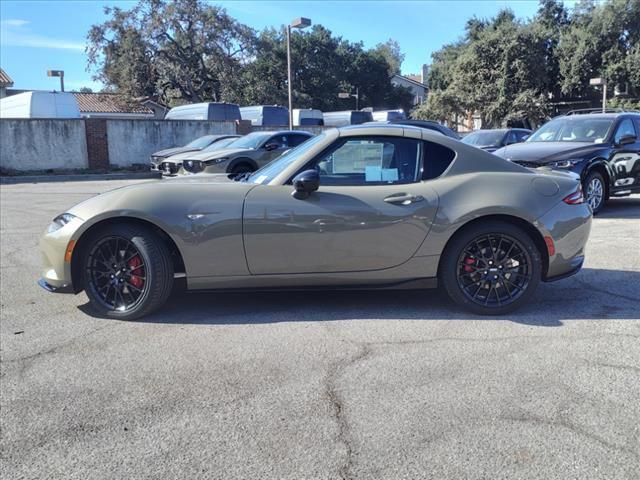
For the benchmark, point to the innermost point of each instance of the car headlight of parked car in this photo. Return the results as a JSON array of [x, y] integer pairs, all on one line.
[[60, 221], [215, 161], [564, 163], [193, 166]]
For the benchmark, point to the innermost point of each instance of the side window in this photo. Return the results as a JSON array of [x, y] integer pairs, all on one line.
[[371, 161], [436, 160], [625, 128], [512, 137], [295, 140], [637, 122], [280, 140]]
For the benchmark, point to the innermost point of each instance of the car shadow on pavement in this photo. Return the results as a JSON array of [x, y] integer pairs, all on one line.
[[623, 208], [592, 294]]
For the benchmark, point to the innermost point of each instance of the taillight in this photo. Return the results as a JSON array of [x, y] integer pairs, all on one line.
[[574, 198]]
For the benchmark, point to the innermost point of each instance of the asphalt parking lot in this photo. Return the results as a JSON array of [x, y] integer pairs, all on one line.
[[320, 385]]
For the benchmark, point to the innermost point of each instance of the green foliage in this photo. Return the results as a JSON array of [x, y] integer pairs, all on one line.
[[506, 69], [190, 51], [185, 51]]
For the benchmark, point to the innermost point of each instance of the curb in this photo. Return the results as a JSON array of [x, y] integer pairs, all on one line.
[[84, 177]]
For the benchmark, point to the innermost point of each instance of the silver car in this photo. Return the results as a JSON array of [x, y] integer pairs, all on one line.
[[247, 153], [377, 206]]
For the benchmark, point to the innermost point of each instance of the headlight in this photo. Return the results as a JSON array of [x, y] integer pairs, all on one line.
[[215, 161], [564, 163], [60, 221]]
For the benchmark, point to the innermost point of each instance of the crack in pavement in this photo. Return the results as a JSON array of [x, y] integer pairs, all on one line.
[[337, 404]]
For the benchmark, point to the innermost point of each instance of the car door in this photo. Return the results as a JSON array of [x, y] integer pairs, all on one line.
[[624, 160], [372, 211]]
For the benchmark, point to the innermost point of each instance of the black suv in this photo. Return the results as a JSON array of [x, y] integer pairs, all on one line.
[[603, 148]]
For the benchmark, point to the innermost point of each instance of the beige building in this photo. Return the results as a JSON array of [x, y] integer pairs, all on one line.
[[5, 82], [416, 83]]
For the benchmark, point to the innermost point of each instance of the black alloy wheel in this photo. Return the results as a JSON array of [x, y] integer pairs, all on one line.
[[491, 268], [128, 272]]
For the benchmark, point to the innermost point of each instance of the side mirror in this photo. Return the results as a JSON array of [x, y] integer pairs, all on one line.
[[627, 139], [305, 183], [271, 146], [524, 139]]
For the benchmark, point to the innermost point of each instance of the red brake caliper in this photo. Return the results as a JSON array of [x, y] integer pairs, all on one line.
[[468, 264], [136, 273]]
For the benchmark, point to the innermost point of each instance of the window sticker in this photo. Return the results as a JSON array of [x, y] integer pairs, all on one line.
[[389, 174], [373, 174], [355, 157]]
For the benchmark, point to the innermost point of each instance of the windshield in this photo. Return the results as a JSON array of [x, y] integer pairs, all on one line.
[[220, 144], [484, 139], [271, 170], [200, 142], [573, 129], [253, 140]]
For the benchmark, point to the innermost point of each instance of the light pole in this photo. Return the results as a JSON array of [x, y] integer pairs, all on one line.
[[603, 82], [57, 73], [297, 23]]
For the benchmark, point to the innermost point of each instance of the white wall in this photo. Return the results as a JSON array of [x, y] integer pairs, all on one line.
[[31, 144], [133, 141]]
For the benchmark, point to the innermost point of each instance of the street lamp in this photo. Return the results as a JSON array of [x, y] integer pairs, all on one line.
[[299, 23], [57, 73], [603, 82]]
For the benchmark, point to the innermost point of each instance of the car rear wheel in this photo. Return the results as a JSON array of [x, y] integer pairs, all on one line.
[[595, 191], [491, 268], [128, 272]]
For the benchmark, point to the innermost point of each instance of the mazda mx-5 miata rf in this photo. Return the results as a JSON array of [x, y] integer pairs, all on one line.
[[364, 206]]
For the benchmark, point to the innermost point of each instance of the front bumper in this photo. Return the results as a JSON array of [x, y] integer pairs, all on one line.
[[56, 272], [64, 288], [568, 226]]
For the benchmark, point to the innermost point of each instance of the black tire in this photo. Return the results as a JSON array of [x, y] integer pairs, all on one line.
[[462, 270], [142, 284], [241, 168], [594, 191]]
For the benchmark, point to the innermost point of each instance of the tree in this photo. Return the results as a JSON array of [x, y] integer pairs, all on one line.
[[390, 51], [602, 41], [322, 66], [181, 51], [495, 71]]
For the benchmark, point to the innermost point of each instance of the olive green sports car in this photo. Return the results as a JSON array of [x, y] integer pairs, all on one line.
[[380, 206]]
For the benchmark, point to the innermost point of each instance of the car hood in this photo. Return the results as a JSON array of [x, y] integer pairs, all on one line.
[[169, 197], [225, 152], [545, 152], [167, 152]]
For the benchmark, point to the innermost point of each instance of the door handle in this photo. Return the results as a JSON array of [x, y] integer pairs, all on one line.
[[403, 199]]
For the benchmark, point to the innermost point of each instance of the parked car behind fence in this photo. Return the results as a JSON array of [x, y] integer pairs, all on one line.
[[266, 115], [216, 111], [347, 117]]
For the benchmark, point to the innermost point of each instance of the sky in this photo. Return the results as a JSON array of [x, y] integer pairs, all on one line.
[[36, 36]]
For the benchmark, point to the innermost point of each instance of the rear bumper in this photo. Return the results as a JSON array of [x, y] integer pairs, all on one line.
[[568, 226]]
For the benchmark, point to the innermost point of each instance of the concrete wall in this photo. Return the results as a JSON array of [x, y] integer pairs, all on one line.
[[32, 144], [42, 144], [133, 141]]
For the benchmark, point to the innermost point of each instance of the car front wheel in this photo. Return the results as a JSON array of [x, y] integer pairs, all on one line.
[[127, 273], [491, 268], [595, 191]]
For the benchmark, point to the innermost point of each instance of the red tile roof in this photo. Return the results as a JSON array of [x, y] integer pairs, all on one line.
[[108, 103], [5, 80]]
